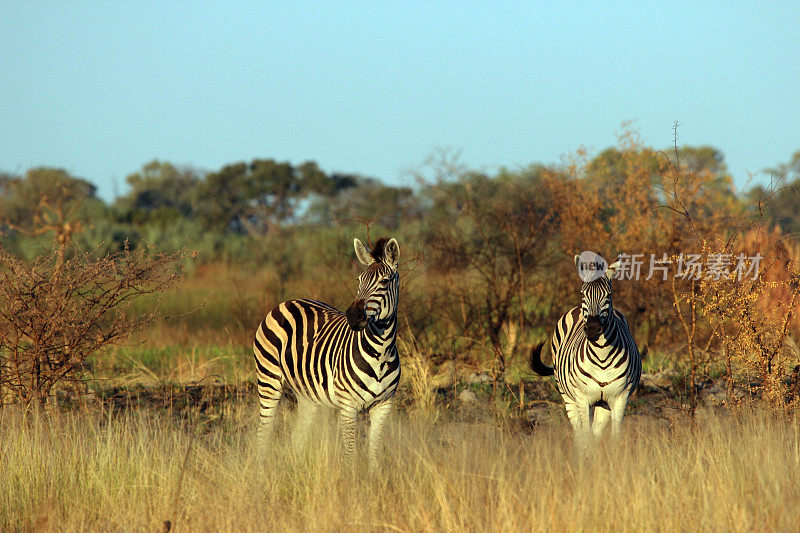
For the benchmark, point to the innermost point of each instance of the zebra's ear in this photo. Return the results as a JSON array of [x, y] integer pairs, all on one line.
[[362, 253], [391, 253], [612, 269]]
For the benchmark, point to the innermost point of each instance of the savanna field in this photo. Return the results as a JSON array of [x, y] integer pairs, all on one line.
[[127, 380]]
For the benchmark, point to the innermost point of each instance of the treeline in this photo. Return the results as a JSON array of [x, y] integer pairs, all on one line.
[[180, 207], [217, 212], [487, 257]]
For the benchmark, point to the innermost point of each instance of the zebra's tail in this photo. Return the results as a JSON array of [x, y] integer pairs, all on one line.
[[536, 361]]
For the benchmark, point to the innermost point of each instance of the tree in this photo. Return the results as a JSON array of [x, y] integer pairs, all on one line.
[[159, 191], [780, 201], [364, 199], [45, 200], [487, 235], [254, 197]]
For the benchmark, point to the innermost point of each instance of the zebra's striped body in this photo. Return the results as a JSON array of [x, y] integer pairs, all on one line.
[[595, 361], [346, 360]]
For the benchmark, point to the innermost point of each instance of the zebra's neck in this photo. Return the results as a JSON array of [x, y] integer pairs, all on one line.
[[385, 328], [382, 333]]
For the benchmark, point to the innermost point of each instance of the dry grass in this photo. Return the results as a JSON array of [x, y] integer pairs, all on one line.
[[138, 470]]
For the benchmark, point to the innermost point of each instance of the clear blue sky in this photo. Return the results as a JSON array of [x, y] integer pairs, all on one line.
[[100, 88]]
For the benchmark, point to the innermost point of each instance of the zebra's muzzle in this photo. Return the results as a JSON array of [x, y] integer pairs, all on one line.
[[356, 316], [593, 328]]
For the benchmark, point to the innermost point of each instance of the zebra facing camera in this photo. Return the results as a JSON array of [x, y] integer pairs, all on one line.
[[591, 266]]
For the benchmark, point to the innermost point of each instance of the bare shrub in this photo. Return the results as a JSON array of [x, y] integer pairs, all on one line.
[[753, 317], [56, 313], [739, 316], [484, 237]]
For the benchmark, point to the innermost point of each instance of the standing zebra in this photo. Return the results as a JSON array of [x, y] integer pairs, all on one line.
[[595, 360], [344, 360]]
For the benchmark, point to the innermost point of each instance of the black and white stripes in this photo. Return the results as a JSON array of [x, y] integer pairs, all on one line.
[[595, 360], [328, 358]]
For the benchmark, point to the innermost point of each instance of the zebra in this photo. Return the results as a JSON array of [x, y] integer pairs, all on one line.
[[595, 360], [347, 361]]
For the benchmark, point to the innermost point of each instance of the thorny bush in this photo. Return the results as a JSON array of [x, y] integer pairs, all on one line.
[[55, 314]]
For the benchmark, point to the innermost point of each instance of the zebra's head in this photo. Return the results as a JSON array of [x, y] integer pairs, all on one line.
[[378, 283], [596, 305]]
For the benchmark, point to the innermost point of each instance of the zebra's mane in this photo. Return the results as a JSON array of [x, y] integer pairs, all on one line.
[[379, 249]]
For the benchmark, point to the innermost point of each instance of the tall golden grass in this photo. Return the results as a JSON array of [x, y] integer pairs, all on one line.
[[140, 470]]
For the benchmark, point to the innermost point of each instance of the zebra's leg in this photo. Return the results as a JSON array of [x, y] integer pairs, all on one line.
[[579, 414], [269, 393], [377, 419], [305, 414], [601, 418], [618, 406], [347, 426], [270, 387]]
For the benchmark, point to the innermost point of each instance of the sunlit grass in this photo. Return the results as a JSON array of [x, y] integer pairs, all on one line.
[[137, 470], [145, 364]]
